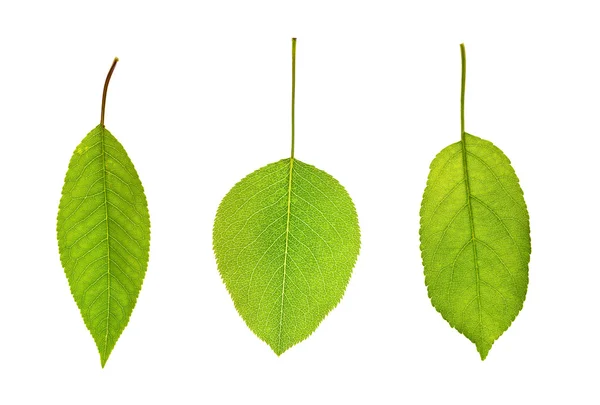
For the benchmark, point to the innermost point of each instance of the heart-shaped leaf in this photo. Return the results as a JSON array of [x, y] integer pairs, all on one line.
[[286, 238]]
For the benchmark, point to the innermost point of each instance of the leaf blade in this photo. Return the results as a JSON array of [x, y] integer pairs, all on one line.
[[103, 232], [475, 242], [280, 286]]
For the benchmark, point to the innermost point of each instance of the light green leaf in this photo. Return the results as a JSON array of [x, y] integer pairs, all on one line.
[[286, 238], [475, 240], [103, 232]]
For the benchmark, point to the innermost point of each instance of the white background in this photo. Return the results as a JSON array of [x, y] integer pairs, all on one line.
[[201, 97]]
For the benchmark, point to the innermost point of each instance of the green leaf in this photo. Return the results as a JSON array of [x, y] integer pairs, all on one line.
[[286, 238], [103, 233], [475, 240]]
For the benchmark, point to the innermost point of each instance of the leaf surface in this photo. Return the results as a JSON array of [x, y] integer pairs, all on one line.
[[103, 232], [475, 240], [286, 238]]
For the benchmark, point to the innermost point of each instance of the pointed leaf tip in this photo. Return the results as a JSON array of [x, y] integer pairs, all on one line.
[[483, 353]]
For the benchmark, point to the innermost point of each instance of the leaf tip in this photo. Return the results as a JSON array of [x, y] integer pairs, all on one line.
[[483, 351], [277, 349]]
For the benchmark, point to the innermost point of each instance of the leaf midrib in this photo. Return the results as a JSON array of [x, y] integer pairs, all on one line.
[[471, 223], [105, 191], [285, 255]]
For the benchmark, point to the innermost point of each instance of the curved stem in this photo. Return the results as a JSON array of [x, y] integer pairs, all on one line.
[[293, 91], [462, 91], [110, 72]]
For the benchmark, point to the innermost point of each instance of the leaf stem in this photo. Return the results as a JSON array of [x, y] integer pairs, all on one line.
[[293, 92], [462, 91], [110, 72]]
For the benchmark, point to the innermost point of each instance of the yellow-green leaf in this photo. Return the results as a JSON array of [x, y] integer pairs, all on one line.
[[475, 240], [103, 232], [286, 238]]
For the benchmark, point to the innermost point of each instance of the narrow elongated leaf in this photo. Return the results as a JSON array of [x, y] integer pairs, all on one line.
[[286, 238], [475, 238], [103, 235]]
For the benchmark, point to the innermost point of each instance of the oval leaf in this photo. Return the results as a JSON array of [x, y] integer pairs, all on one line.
[[286, 238], [103, 235], [475, 240]]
